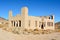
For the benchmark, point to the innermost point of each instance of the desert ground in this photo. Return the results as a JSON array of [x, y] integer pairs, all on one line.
[[4, 35]]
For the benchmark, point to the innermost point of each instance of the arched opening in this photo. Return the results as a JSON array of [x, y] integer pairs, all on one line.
[[19, 23], [42, 27], [14, 23]]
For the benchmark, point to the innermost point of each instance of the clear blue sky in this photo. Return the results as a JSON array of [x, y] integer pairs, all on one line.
[[36, 7]]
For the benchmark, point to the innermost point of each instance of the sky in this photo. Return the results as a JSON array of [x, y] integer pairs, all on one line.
[[35, 7]]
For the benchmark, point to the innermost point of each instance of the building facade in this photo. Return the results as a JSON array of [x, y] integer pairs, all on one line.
[[24, 21]]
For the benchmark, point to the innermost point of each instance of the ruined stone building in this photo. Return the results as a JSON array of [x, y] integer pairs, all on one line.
[[24, 21]]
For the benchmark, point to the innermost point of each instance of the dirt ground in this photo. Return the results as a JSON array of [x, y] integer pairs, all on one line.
[[4, 35]]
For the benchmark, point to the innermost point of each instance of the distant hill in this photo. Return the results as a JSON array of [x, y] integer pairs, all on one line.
[[57, 23], [1, 18], [3, 22], [57, 26]]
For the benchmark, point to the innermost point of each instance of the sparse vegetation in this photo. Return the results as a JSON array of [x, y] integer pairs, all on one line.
[[53, 39], [1, 26]]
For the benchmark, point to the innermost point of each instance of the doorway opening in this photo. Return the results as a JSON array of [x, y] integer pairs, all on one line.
[[42, 26]]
